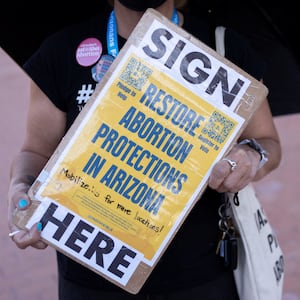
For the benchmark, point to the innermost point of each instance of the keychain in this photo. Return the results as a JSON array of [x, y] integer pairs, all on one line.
[[227, 247]]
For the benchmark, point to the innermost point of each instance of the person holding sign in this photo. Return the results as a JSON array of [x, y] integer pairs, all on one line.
[[63, 73]]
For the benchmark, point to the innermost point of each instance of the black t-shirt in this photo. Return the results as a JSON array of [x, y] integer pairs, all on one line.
[[190, 259]]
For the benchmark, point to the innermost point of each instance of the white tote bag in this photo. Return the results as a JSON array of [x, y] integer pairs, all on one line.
[[260, 264], [260, 267]]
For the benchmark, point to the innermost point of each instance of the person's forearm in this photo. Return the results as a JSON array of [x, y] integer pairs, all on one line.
[[25, 169], [273, 150]]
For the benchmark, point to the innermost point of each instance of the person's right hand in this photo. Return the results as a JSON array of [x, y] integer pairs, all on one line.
[[23, 238]]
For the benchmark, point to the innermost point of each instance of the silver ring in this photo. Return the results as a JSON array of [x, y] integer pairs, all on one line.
[[12, 234], [232, 163]]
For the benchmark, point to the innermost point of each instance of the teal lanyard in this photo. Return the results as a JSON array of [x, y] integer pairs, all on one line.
[[112, 32]]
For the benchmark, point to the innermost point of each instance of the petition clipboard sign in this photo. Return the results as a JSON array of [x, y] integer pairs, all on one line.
[[138, 157]]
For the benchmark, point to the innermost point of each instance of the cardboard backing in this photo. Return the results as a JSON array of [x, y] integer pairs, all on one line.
[[160, 64]]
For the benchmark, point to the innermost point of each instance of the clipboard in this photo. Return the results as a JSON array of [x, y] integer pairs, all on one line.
[[137, 158]]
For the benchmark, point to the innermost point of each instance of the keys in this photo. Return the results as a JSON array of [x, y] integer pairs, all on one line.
[[220, 244], [227, 249], [233, 253], [230, 253]]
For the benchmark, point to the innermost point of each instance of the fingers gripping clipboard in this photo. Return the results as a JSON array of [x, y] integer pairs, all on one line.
[[138, 156]]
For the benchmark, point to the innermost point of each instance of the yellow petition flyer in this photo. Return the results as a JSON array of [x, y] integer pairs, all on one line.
[[140, 155]]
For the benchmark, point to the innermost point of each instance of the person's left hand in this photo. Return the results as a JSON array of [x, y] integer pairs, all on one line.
[[235, 171]]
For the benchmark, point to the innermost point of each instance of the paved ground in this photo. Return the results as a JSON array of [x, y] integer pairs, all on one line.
[[31, 274]]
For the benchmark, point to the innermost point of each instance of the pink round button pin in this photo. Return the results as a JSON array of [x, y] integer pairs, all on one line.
[[88, 52]]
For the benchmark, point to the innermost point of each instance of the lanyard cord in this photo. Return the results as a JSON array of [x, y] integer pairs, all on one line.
[[112, 32]]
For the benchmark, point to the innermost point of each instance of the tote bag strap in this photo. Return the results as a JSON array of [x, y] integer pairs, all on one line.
[[220, 39]]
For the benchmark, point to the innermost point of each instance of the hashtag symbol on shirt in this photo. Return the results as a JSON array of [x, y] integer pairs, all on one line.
[[84, 94]]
